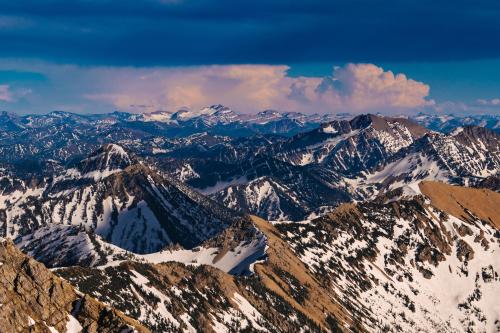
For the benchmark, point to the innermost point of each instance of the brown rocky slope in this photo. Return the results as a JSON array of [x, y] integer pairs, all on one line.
[[33, 299]]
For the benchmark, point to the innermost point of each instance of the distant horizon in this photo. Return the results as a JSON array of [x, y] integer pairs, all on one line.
[[283, 112]]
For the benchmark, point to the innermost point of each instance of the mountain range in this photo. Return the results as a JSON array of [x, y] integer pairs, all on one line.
[[213, 221]]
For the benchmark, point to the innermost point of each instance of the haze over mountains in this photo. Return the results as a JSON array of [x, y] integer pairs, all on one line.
[[211, 220]]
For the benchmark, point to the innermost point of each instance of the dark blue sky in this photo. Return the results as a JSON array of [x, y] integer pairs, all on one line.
[[451, 45], [178, 32]]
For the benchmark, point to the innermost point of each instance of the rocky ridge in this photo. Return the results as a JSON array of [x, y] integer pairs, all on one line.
[[33, 299]]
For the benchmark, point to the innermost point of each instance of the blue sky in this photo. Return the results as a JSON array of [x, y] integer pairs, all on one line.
[[94, 56]]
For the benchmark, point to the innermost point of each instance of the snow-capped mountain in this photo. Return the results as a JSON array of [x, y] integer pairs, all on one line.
[[211, 116], [313, 172], [467, 156], [292, 195], [424, 263], [74, 133], [265, 186], [128, 205], [64, 137], [147, 213], [263, 196], [172, 297], [379, 265], [235, 250], [351, 146], [105, 161], [220, 114], [294, 178], [449, 122], [160, 116]]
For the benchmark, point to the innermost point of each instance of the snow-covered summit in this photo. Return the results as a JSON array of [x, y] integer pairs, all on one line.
[[108, 159]]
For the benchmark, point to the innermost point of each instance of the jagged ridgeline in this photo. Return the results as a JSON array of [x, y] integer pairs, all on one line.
[[210, 221], [313, 172]]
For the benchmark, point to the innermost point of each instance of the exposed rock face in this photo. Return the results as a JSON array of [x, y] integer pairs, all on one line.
[[469, 154], [491, 182], [392, 264], [464, 251], [61, 135], [289, 196], [357, 159], [270, 188], [274, 177], [33, 299]]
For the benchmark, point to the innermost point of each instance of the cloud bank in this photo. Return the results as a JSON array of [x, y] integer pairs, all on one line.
[[251, 88], [245, 88], [39, 87]]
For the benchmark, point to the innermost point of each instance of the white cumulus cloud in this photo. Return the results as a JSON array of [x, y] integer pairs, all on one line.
[[245, 88], [249, 88]]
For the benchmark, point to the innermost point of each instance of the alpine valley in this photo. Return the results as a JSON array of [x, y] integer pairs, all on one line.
[[214, 221]]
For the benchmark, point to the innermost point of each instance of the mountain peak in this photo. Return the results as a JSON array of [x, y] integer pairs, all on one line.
[[388, 124], [184, 114], [223, 111], [104, 161], [159, 115], [218, 107], [363, 120], [59, 113], [269, 113]]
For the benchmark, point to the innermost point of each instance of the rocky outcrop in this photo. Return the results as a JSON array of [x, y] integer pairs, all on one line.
[[33, 299], [492, 183]]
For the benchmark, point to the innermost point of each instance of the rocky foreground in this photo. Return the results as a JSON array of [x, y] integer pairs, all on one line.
[[33, 299]]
